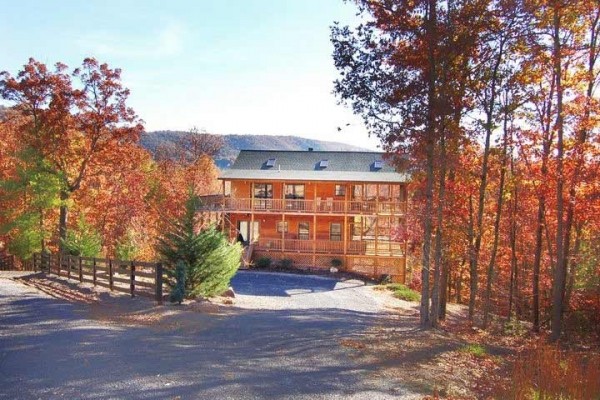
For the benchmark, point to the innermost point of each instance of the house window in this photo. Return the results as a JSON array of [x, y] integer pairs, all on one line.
[[294, 191], [263, 190], [340, 190], [384, 192], [357, 227], [335, 232], [282, 226], [227, 189], [370, 191], [303, 230]]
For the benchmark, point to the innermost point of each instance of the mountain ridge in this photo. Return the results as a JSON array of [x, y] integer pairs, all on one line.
[[233, 143]]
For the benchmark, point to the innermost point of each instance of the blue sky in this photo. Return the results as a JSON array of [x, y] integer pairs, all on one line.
[[227, 66]]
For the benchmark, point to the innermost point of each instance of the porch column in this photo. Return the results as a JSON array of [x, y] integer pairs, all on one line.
[[251, 235], [282, 232], [346, 218], [223, 211], [376, 229], [283, 208], [314, 244], [345, 234]]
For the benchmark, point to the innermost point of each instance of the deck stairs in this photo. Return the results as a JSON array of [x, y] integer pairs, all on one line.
[[247, 256]]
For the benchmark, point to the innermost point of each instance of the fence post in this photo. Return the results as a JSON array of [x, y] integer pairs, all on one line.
[[34, 265], [59, 259], [94, 271], [68, 266], [110, 274], [159, 283], [132, 280], [80, 270]]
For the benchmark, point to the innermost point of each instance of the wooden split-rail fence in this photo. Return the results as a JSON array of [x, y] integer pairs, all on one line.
[[137, 278], [7, 262]]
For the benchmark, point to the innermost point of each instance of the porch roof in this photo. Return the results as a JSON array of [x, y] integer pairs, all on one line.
[[333, 176]]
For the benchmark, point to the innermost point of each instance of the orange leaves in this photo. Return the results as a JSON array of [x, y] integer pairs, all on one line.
[[548, 372]]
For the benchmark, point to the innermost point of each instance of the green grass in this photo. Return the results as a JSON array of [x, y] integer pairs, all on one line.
[[474, 349], [402, 292]]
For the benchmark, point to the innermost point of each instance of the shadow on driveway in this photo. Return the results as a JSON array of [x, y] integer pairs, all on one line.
[[50, 349], [256, 283]]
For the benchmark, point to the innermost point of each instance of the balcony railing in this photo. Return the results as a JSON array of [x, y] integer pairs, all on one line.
[[354, 247], [322, 206]]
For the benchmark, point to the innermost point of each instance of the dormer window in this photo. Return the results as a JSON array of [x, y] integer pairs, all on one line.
[[271, 162], [323, 163], [377, 164]]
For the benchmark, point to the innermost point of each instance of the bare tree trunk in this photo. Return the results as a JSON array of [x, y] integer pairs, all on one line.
[[579, 154], [499, 202], [542, 227], [537, 262], [431, 29], [559, 281], [437, 277], [483, 183], [513, 253], [445, 291], [427, 225], [459, 282], [472, 266], [63, 219], [573, 264], [41, 227]]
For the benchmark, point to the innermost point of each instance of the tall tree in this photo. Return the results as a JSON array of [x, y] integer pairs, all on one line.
[[393, 86], [71, 126], [405, 70], [491, 72]]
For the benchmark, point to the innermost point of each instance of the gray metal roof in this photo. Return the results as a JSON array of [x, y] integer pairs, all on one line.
[[306, 166]]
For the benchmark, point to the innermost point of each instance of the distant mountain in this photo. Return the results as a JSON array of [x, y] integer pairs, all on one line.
[[235, 143]]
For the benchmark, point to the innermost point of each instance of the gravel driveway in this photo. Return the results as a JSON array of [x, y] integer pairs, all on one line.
[[277, 291], [288, 349]]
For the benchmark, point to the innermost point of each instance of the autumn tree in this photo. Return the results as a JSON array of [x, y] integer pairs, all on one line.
[[405, 70], [493, 102], [32, 193], [562, 74], [71, 119]]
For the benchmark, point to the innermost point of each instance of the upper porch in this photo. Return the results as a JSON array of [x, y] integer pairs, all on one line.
[[343, 198], [318, 206]]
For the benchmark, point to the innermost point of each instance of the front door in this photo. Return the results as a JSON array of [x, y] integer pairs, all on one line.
[[248, 234]]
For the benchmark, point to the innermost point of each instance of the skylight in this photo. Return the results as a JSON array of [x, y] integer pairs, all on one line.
[[378, 164], [271, 162], [323, 163]]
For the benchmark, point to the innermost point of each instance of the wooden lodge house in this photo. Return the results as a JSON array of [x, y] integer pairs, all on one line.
[[315, 206]]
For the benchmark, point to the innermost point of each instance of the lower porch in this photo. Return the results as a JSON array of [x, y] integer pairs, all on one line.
[[365, 246], [370, 266], [344, 235]]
